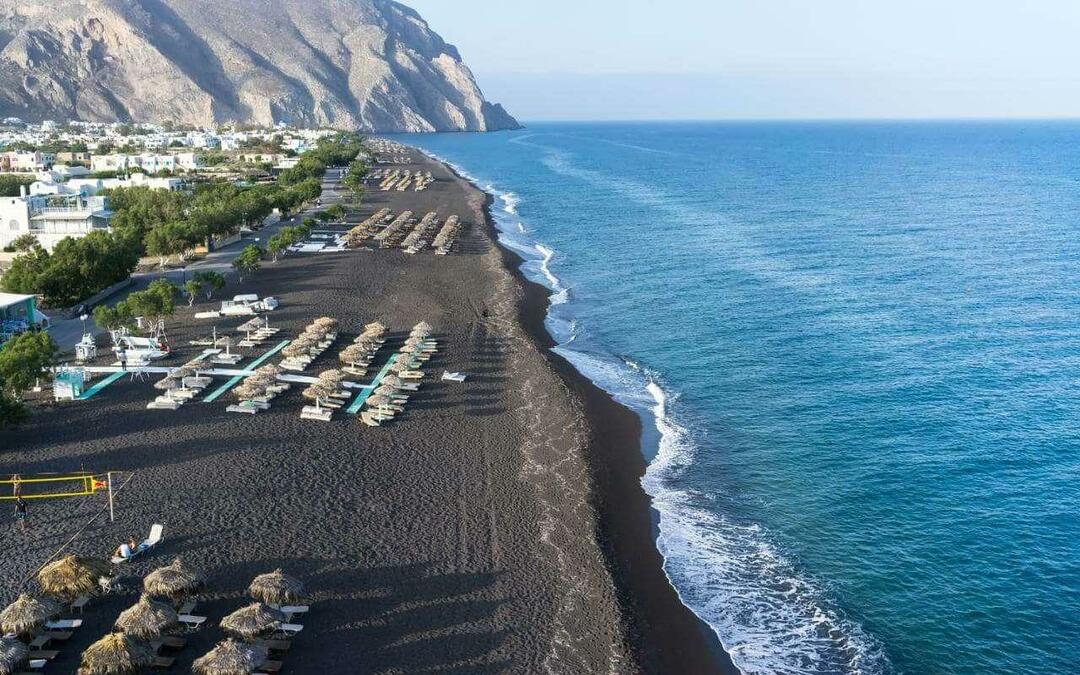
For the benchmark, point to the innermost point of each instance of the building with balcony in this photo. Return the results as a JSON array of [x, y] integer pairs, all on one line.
[[52, 217]]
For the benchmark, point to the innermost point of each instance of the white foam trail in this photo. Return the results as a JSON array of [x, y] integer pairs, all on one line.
[[769, 617], [510, 202]]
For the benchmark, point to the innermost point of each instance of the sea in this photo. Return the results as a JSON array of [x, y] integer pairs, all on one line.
[[856, 350]]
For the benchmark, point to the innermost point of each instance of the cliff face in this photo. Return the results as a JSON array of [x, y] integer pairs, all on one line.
[[372, 65]]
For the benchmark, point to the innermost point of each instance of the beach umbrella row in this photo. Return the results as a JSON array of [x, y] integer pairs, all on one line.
[[448, 234], [367, 228]]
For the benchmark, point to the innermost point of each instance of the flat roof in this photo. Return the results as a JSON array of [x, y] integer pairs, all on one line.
[[9, 299]]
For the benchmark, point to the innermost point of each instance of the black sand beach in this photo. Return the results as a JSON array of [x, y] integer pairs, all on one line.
[[498, 526]]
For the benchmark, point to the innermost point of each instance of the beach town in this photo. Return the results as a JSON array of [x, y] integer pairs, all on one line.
[[332, 429]]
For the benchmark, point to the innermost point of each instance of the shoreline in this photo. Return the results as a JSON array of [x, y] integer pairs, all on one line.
[[665, 634]]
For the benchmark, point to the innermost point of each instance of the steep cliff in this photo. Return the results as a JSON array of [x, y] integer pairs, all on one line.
[[373, 65]]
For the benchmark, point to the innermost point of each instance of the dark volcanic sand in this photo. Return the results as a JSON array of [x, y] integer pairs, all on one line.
[[497, 526]]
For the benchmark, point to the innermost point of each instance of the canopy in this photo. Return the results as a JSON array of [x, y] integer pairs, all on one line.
[[276, 588]]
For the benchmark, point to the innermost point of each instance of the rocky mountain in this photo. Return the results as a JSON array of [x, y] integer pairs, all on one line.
[[372, 65]]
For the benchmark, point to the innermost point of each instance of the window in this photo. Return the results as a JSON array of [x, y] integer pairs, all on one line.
[[13, 225]]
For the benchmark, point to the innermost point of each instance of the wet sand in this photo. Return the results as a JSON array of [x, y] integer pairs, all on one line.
[[497, 526]]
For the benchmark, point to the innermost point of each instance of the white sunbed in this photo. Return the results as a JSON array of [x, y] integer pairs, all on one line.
[[453, 377], [163, 403], [190, 620], [63, 624], [322, 414], [157, 533]]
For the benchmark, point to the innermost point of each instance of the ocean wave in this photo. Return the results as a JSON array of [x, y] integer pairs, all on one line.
[[767, 614]]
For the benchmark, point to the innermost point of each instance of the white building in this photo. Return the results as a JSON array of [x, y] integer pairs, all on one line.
[[51, 218], [148, 162]]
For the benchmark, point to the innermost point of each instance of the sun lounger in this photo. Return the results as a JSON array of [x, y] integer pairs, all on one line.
[[322, 414], [36, 664], [157, 533], [290, 629], [163, 663], [182, 394], [190, 620], [163, 403], [188, 607], [270, 667], [245, 407], [47, 654], [453, 377], [63, 624], [80, 602]]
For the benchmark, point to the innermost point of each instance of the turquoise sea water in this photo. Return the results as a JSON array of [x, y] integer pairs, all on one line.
[[857, 351]]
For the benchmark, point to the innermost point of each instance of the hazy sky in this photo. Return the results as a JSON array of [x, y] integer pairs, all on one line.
[[696, 59]]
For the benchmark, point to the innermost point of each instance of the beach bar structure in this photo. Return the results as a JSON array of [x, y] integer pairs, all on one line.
[[19, 313]]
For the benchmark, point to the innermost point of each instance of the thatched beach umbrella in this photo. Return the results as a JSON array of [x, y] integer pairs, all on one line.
[[231, 658], [72, 576], [422, 328], [378, 402], [325, 322], [116, 654], [252, 621], [402, 365], [27, 614], [167, 383], [146, 619], [13, 654], [392, 381], [385, 391], [375, 328], [174, 581], [248, 390], [276, 588]]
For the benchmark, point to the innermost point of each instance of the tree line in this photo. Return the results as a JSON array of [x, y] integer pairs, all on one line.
[[165, 224]]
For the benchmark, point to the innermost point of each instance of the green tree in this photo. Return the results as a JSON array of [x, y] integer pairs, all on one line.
[[12, 411], [114, 318], [276, 245], [10, 185], [212, 282], [24, 274], [248, 261], [24, 359], [192, 287], [155, 303]]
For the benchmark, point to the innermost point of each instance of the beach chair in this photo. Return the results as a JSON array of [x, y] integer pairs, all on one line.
[[270, 667], [47, 654], [191, 621], [157, 533], [188, 607], [278, 646], [289, 629], [164, 403], [163, 663], [63, 624], [246, 407], [80, 602], [322, 414]]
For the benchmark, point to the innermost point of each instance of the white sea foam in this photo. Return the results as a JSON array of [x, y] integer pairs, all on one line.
[[768, 615]]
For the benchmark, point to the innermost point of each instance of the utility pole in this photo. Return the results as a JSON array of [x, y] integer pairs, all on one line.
[[112, 515]]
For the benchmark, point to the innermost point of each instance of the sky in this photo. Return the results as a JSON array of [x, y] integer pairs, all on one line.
[[739, 59]]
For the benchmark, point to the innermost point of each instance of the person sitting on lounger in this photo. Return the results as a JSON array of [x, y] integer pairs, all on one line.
[[125, 550]]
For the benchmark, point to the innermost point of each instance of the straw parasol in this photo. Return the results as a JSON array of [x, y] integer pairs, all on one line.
[[167, 383], [325, 321], [423, 328], [378, 402], [13, 654], [332, 379], [116, 654], [402, 366], [72, 576], [383, 390], [375, 328], [392, 381], [276, 588], [146, 619], [173, 581], [252, 621], [231, 658], [27, 614], [247, 390]]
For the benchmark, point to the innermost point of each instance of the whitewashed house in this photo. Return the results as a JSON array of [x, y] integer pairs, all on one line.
[[51, 218]]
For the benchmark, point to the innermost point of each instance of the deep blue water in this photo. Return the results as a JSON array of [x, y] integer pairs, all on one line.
[[857, 349]]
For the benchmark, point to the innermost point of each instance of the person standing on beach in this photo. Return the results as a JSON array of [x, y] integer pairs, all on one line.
[[20, 513]]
